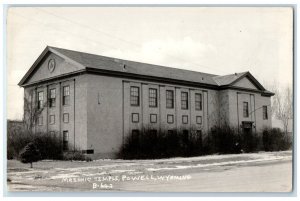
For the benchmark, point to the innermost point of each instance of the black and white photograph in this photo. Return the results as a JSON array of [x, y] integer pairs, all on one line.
[[150, 99]]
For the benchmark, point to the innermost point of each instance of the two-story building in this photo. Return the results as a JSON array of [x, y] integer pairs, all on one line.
[[95, 102]]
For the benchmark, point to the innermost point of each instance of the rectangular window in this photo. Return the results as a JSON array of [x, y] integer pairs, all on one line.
[[152, 97], [185, 119], [265, 112], [66, 117], [66, 95], [135, 117], [245, 109], [198, 101], [198, 119], [153, 118], [170, 118], [40, 99], [134, 96], [184, 100], [52, 98], [65, 140], [40, 120], [52, 119], [170, 99]]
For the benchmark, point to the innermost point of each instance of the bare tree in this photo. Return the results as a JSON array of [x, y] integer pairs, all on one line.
[[31, 111], [282, 103]]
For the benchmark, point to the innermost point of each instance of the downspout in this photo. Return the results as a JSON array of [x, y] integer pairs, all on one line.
[[237, 104], [74, 115]]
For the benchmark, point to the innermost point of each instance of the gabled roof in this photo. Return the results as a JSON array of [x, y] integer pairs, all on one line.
[[101, 63]]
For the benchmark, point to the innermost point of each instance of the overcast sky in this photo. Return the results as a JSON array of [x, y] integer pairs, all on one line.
[[212, 40]]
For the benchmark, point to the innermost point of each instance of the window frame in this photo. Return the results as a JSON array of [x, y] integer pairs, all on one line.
[[50, 122], [65, 140], [265, 112], [199, 122], [151, 116], [187, 119], [245, 109], [66, 95], [40, 99], [134, 96], [170, 99], [52, 100], [198, 102], [153, 97], [172, 116], [132, 117], [40, 120], [64, 120], [184, 100]]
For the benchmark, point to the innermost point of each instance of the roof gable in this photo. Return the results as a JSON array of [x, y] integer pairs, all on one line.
[[50, 64]]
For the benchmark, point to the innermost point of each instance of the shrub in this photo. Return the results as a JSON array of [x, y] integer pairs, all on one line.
[[30, 154], [76, 156], [275, 140]]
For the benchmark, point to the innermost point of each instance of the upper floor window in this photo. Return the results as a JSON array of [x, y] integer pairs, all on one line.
[[245, 109], [170, 99], [40, 120], [52, 98], [134, 96], [265, 112], [153, 118], [184, 100], [52, 119], [198, 101], [185, 119], [66, 117], [152, 97], [40, 99], [66, 95]]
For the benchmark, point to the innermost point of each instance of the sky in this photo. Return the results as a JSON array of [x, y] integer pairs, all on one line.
[[212, 40]]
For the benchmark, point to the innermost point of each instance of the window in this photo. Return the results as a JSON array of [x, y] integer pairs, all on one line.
[[170, 118], [134, 96], [198, 119], [40, 120], [65, 140], [52, 98], [198, 101], [40, 99], [52, 133], [185, 119], [135, 118], [153, 118], [66, 95], [52, 119], [245, 109], [152, 97], [184, 100], [265, 112], [66, 117], [170, 99]]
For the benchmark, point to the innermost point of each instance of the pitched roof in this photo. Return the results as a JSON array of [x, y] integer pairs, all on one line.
[[113, 64], [97, 62]]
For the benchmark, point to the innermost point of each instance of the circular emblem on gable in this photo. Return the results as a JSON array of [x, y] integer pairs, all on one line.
[[51, 65]]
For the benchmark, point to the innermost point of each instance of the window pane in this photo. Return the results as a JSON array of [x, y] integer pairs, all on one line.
[[153, 97], [184, 100], [40, 99], [134, 96], [153, 118], [66, 117], [66, 95], [170, 98], [245, 109], [198, 101], [135, 117], [65, 140], [184, 119], [170, 118], [199, 119]]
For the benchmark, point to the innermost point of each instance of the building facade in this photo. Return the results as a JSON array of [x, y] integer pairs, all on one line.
[[94, 102]]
